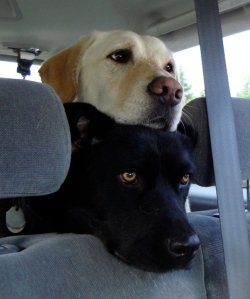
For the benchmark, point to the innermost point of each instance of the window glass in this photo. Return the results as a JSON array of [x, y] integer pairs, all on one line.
[[9, 70], [237, 52], [237, 49], [189, 68]]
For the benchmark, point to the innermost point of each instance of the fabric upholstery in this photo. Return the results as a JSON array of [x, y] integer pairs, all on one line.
[[195, 117], [35, 141], [241, 108], [77, 266], [208, 229]]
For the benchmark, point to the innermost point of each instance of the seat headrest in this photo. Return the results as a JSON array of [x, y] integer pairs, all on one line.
[[195, 117], [35, 146]]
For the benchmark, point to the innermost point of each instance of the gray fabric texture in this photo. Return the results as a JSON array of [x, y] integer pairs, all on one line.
[[208, 229], [75, 266], [78, 266], [241, 108], [35, 140], [195, 116], [225, 151]]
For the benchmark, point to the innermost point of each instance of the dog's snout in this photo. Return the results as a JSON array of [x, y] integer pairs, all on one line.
[[166, 90], [183, 249]]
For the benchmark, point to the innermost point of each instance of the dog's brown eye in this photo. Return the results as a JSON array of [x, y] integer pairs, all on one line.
[[121, 56], [128, 177], [185, 179], [169, 68]]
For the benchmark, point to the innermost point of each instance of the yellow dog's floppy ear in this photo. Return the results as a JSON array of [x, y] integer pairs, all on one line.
[[61, 71]]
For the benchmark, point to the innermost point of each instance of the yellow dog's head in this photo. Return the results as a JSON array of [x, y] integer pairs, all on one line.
[[130, 77]]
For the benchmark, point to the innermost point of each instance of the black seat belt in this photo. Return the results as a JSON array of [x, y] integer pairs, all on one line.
[[225, 150]]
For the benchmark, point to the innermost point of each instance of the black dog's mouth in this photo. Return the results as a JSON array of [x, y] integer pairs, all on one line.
[[159, 259], [121, 257], [150, 265]]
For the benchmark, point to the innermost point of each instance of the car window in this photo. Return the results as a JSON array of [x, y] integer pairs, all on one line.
[[237, 49], [8, 69]]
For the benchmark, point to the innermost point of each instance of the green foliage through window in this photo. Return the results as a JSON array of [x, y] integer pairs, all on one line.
[[245, 92]]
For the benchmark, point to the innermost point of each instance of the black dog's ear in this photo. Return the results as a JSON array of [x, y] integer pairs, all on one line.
[[86, 124]]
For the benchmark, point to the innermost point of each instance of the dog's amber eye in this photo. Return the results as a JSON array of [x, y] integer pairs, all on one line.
[[121, 56], [169, 68], [128, 177], [185, 179]]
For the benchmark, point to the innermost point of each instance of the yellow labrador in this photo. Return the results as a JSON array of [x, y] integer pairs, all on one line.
[[130, 77]]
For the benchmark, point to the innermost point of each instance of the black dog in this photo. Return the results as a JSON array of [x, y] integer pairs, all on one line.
[[128, 186]]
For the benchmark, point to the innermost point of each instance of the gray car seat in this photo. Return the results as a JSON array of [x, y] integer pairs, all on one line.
[[195, 118], [34, 159]]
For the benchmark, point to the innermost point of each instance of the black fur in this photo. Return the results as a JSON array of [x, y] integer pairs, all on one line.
[[143, 223]]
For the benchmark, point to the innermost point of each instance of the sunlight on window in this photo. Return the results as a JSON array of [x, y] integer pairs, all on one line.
[[190, 72], [237, 52], [237, 49], [9, 70]]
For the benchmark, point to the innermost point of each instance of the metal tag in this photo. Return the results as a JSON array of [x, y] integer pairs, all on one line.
[[15, 220]]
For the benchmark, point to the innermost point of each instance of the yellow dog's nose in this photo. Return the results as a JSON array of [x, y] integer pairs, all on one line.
[[167, 90]]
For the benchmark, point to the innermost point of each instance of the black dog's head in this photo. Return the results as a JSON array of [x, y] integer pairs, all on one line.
[[133, 182]]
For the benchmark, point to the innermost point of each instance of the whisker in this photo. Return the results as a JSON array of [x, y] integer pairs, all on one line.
[[188, 117]]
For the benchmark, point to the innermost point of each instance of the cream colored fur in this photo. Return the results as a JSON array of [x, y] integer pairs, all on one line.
[[86, 72]]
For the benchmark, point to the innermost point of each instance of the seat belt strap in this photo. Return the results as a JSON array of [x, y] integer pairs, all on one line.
[[224, 150]]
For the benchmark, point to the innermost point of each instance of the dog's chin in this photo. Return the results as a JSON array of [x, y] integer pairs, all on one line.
[[166, 119], [157, 123], [162, 123], [155, 117]]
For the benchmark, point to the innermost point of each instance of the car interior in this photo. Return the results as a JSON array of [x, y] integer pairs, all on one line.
[[36, 152]]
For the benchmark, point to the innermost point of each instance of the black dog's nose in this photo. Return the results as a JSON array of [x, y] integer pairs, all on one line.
[[183, 249], [166, 90]]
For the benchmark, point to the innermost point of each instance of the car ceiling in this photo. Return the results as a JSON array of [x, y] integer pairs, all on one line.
[[51, 25]]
